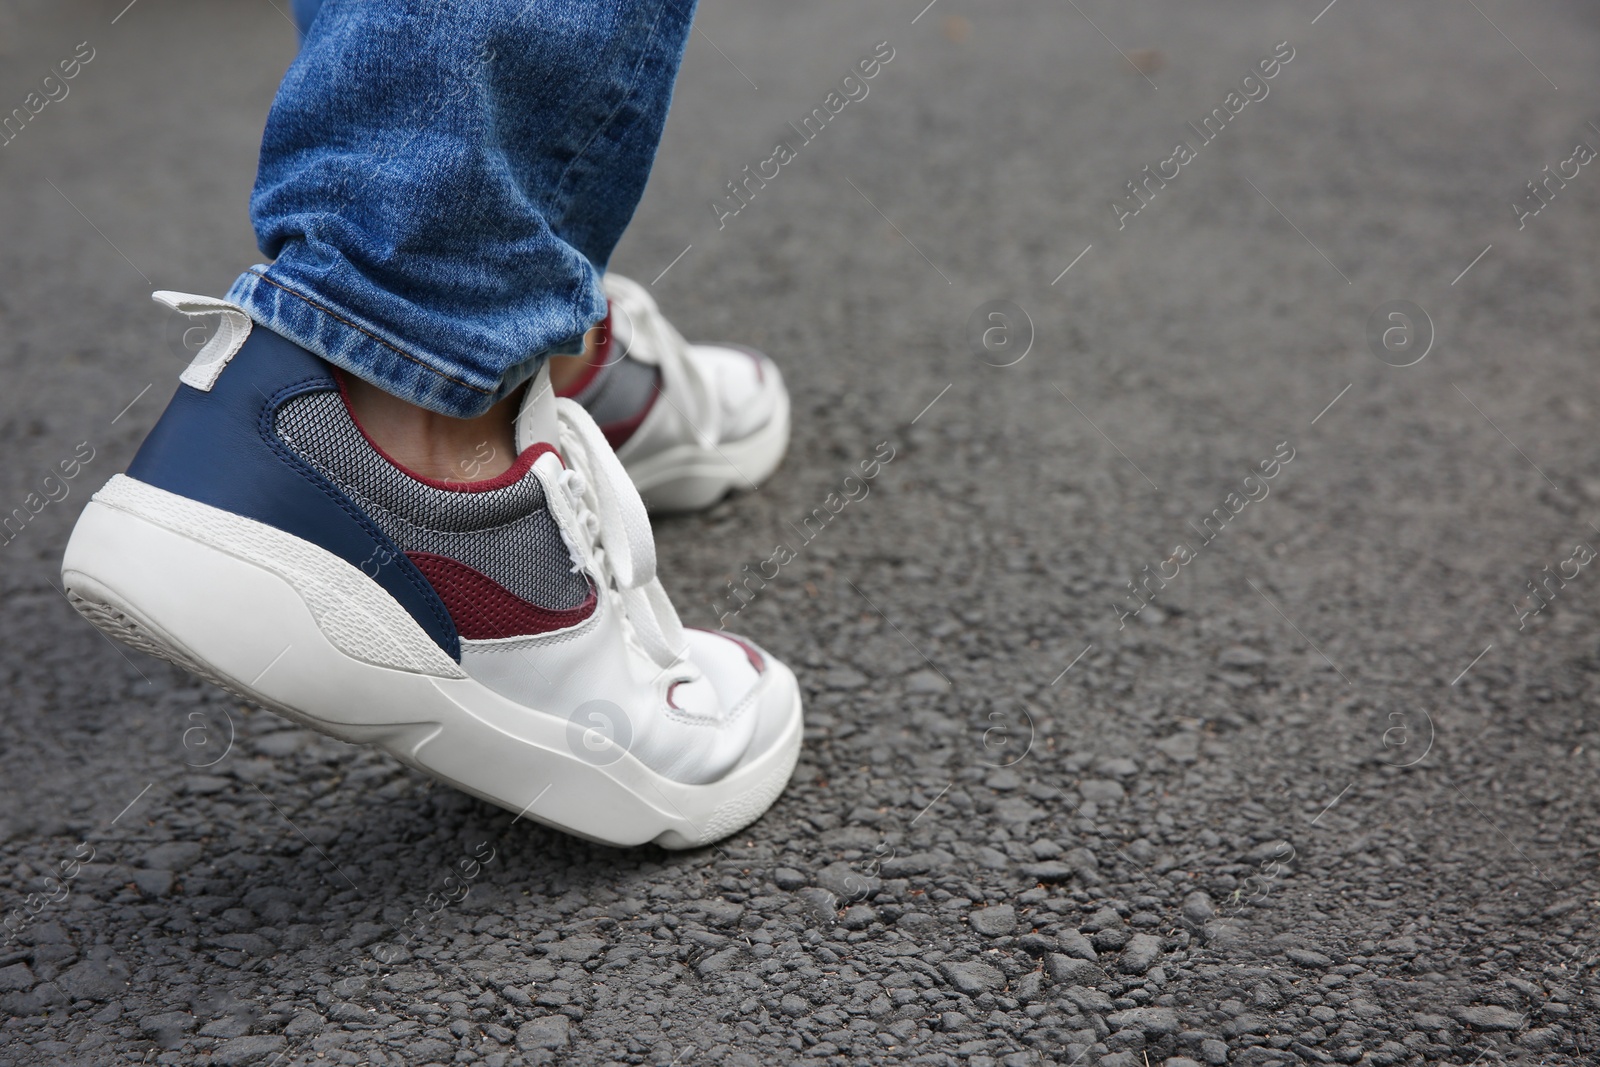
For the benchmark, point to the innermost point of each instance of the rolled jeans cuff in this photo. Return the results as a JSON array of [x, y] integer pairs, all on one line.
[[399, 366]]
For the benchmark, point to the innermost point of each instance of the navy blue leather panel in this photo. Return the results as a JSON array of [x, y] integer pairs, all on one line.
[[220, 448]]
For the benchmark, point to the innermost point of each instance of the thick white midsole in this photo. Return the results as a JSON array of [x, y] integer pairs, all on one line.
[[690, 476], [249, 607]]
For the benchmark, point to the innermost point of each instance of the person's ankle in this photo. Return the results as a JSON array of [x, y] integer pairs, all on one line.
[[565, 370], [432, 445]]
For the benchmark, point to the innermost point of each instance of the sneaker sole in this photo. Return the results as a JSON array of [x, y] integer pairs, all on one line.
[[690, 477], [283, 623]]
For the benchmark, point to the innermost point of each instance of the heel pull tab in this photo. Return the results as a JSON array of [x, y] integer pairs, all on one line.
[[203, 371]]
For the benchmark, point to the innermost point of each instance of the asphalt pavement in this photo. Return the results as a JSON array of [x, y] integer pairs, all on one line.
[[1209, 675]]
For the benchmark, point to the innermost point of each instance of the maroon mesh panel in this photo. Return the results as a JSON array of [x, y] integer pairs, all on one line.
[[483, 609]]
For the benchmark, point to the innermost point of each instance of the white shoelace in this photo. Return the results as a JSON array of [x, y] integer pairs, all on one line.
[[620, 546], [657, 341]]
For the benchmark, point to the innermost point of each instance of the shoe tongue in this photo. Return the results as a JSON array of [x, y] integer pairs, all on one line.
[[536, 422]]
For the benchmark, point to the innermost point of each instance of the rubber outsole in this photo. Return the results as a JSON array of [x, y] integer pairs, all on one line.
[[165, 575]]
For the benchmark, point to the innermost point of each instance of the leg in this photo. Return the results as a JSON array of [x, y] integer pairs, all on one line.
[[477, 201], [440, 207], [441, 210]]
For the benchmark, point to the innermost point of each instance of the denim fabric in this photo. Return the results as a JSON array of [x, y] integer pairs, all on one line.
[[441, 183], [304, 12]]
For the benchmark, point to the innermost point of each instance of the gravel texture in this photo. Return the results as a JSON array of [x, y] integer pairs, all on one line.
[[1329, 798]]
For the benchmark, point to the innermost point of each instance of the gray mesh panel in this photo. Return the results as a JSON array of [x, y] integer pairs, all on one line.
[[507, 534], [620, 391]]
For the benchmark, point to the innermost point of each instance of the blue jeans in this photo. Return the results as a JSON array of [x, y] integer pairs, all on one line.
[[443, 181]]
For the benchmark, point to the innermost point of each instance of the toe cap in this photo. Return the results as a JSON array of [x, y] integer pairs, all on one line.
[[749, 681], [748, 386]]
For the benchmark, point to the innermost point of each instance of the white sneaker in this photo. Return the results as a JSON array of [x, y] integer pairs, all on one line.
[[719, 420], [508, 637]]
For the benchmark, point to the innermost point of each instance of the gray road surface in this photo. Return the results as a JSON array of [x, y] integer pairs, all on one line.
[[1329, 797]]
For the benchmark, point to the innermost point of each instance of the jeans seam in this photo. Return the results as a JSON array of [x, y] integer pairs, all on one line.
[[645, 52], [358, 327]]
